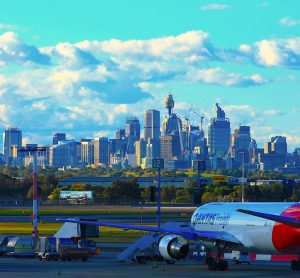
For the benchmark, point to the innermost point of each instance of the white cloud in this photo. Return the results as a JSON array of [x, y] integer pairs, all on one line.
[[217, 76], [276, 52], [13, 50], [6, 26], [273, 112], [288, 21], [215, 7]]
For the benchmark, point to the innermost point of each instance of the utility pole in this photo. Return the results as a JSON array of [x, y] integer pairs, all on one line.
[[33, 151]]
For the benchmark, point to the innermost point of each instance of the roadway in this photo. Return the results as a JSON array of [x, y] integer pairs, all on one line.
[[105, 266]]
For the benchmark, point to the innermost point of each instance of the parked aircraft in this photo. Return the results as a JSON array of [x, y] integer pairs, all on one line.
[[262, 228]]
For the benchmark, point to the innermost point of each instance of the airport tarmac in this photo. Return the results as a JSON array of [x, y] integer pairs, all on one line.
[[105, 266]]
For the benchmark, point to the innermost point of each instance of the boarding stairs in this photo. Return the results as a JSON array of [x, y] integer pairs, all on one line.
[[142, 244], [150, 241]]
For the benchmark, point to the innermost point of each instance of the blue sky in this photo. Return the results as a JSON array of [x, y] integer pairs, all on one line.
[[82, 66]]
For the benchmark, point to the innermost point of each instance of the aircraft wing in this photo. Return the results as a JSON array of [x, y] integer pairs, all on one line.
[[294, 222], [187, 233]]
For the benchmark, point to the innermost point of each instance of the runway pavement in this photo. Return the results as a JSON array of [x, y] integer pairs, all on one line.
[[105, 266]]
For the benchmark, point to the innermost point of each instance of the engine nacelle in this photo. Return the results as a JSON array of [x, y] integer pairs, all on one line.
[[173, 247]]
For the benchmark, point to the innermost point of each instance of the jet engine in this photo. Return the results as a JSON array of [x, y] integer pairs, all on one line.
[[173, 247]]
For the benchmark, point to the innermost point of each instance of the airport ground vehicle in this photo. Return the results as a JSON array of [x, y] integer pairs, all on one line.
[[239, 257], [61, 248], [261, 228], [22, 246]]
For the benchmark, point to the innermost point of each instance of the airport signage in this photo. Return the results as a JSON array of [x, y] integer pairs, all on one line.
[[76, 195], [157, 163]]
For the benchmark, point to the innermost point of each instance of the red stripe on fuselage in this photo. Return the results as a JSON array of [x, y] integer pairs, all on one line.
[[285, 238]]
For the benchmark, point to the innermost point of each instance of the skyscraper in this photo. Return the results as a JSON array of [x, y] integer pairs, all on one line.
[[219, 134], [101, 151], [140, 151], [240, 142], [132, 133], [64, 154], [87, 151], [151, 124], [58, 137], [12, 141]]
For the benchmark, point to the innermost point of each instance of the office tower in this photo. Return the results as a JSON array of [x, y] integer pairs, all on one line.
[[58, 137], [153, 148], [101, 151], [166, 147], [274, 155], [240, 142], [132, 133], [87, 151], [120, 134], [219, 134], [64, 154], [12, 141], [151, 124], [279, 145], [296, 157], [140, 151]]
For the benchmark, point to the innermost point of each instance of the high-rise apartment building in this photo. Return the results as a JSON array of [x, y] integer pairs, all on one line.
[[101, 151], [151, 124], [219, 134], [58, 137], [12, 141]]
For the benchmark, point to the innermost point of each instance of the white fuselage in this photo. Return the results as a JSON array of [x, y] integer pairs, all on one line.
[[256, 234]]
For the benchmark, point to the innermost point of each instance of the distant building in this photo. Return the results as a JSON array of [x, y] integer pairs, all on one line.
[[132, 133], [275, 154], [166, 147], [153, 148], [140, 151], [12, 141], [240, 142], [87, 151], [58, 137], [101, 151], [120, 134], [151, 124], [296, 157], [219, 134], [64, 154]]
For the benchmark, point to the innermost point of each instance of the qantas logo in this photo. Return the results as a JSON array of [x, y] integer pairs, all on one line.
[[211, 218]]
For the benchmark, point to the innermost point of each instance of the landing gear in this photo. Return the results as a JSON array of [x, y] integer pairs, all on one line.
[[217, 263], [295, 265]]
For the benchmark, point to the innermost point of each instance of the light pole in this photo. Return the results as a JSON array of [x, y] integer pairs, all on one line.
[[243, 175]]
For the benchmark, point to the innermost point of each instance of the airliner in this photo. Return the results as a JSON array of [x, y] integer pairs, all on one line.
[[261, 228]]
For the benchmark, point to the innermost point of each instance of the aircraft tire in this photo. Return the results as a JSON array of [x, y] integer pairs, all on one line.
[[223, 265], [211, 263], [295, 265]]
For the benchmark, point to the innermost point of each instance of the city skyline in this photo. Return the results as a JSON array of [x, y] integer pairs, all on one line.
[[86, 82]]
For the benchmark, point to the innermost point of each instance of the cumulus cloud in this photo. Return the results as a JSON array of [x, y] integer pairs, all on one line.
[[277, 52], [217, 76], [13, 50], [215, 7], [89, 86], [288, 21]]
